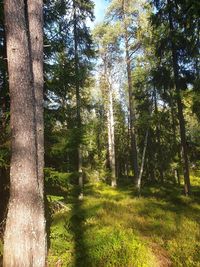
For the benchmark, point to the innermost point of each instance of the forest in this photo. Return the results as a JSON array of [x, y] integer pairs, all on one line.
[[100, 133]]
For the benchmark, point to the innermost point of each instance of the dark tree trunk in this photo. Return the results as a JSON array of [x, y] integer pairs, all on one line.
[[159, 150], [35, 23], [180, 108], [131, 100], [175, 145], [35, 19], [78, 98], [4, 90], [132, 119], [24, 240]]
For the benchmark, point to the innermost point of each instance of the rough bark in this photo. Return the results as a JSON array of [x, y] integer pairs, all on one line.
[[35, 19], [180, 108], [4, 98], [35, 30], [24, 240]]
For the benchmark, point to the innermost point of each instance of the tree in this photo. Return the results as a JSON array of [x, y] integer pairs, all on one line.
[[24, 240], [178, 44], [35, 23], [71, 44], [109, 54], [126, 14]]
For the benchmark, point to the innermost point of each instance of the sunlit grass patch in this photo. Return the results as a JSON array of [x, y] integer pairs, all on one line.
[[112, 227], [62, 242], [185, 246], [115, 246]]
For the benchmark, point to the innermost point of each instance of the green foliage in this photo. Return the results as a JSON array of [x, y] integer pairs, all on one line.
[[58, 179], [4, 158], [62, 245]]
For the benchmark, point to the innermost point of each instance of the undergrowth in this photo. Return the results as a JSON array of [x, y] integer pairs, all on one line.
[[112, 227]]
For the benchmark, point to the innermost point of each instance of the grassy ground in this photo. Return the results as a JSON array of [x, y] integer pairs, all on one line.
[[112, 227]]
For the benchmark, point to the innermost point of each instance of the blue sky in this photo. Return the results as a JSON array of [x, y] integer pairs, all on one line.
[[99, 11]]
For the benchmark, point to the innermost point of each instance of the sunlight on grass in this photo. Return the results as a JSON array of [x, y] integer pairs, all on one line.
[[62, 243], [112, 227]]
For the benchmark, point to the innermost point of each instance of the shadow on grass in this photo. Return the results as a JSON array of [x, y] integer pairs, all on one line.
[[159, 215], [77, 229]]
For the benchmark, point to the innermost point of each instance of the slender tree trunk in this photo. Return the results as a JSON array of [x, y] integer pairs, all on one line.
[[180, 108], [111, 137], [176, 171], [110, 123], [24, 241], [142, 163], [78, 98], [159, 151], [131, 114], [131, 101]]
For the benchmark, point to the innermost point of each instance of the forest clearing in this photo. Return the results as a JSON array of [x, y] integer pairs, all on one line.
[[99, 133]]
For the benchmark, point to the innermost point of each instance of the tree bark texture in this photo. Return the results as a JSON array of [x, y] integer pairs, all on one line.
[[35, 24], [24, 240], [35, 19]]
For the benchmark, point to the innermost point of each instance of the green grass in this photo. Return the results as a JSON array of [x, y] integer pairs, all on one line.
[[112, 227]]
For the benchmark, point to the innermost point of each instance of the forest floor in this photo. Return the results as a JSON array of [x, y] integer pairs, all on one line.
[[115, 228]]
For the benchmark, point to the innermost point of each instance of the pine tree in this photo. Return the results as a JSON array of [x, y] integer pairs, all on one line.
[[24, 240]]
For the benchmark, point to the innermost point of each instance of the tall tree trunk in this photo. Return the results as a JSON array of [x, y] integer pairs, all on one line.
[[24, 240], [131, 101], [35, 19], [78, 98], [111, 136], [131, 114], [175, 145], [159, 151], [35, 23], [180, 108], [142, 162]]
